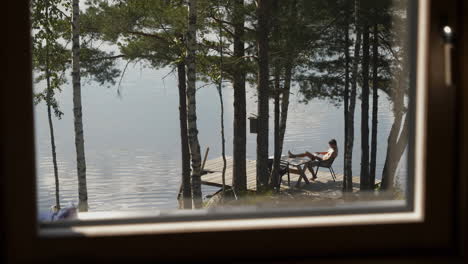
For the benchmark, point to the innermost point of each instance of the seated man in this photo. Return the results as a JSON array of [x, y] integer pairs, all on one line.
[[316, 159]]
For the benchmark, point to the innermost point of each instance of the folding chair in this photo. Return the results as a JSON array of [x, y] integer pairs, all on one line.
[[327, 164]]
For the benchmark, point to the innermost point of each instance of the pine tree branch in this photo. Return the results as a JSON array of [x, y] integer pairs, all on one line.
[[143, 34], [107, 58]]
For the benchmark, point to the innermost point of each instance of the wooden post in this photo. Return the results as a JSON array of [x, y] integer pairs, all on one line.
[[204, 159]]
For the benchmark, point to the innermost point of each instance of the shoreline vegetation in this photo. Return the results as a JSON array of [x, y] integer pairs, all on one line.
[[296, 197], [342, 51], [321, 192]]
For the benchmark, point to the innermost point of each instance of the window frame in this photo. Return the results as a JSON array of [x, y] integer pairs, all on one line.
[[440, 233]]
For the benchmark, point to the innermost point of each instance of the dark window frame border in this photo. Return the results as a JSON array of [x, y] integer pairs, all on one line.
[[441, 234]]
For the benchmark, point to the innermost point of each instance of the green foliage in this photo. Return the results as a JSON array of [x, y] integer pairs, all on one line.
[[306, 34], [50, 57], [321, 74], [150, 31], [217, 20], [51, 36], [98, 65]]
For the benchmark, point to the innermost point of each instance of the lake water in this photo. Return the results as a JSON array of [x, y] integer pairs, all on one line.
[[133, 142]]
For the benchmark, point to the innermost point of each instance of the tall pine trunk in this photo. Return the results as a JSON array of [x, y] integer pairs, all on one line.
[[184, 143], [276, 66], [223, 140], [51, 130], [288, 69], [346, 102], [221, 103], [284, 105], [397, 140], [277, 153], [352, 99], [375, 102], [398, 136], [397, 143], [49, 98], [54, 153], [364, 181], [77, 112], [263, 95], [239, 179], [191, 106]]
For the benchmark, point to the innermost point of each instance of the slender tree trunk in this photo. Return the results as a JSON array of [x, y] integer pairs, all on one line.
[[49, 98], [191, 106], [352, 100], [223, 140], [276, 66], [263, 95], [51, 129], [397, 140], [54, 155], [346, 101], [239, 179], [284, 105], [391, 142], [184, 143], [277, 153], [220, 93], [375, 102], [78, 117], [396, 147], [365, 183], [288, 69]]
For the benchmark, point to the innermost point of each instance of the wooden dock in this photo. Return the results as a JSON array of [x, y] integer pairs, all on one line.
[[214, 176], [324, 182]]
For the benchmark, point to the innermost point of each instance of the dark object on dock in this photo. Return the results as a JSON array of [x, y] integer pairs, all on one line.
[[298, 166], [253, 124], [284, 169]]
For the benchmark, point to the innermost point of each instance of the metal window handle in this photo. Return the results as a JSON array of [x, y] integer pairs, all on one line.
[[448, 47]]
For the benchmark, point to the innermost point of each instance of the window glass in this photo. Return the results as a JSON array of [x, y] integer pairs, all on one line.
[[163, 105]]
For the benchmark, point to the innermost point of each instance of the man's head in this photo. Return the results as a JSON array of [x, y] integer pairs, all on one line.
[[332, 143]]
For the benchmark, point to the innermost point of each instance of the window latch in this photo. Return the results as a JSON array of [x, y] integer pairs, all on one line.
[[448, 37]]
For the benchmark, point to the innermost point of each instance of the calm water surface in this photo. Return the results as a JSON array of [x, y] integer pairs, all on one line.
[[133, 142]]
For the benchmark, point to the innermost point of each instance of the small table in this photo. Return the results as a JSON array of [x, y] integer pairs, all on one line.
[[299, 165]]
